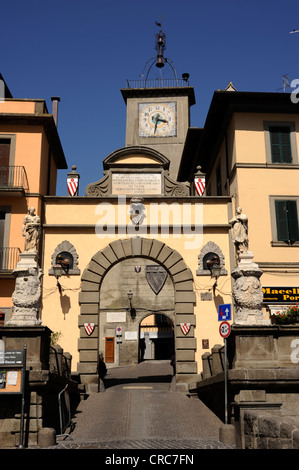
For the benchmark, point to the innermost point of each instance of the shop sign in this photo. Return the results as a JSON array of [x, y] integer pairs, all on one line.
[[280, 294]]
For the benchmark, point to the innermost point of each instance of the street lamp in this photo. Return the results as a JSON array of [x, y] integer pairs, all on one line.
[[215, 269], [132, 310], [58, 271]]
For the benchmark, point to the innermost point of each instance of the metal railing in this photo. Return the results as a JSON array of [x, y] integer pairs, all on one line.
[[60, 362], [12, 177], [9, 258], [157, 83]]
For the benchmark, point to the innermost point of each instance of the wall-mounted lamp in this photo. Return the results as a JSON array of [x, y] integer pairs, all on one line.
[[215, 268], [63, 262], [58, 271], [132, 310]]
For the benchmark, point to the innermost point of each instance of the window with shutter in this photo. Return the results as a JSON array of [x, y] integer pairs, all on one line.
[[287, 220], [280, 144]]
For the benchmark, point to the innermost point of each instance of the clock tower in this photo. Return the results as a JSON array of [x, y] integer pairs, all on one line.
[[158, 109]]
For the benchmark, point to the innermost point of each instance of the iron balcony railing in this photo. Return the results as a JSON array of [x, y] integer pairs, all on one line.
[[9, 257], [13, 177], [158, 83]]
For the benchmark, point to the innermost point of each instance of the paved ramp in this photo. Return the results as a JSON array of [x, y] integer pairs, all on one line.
[[139, 410]]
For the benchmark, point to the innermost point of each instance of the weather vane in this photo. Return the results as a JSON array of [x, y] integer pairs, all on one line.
[[159, 60]]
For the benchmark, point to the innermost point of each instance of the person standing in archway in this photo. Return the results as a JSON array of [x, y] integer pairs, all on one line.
[[102, 371]]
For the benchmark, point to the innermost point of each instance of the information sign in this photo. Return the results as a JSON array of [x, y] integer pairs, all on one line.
[[11, 371], [119, 331], [12, 379], [224, 312]]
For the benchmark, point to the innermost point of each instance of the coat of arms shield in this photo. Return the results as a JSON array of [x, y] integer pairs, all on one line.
[[185, 327], [89, 327], [72, 185], [156, 277]]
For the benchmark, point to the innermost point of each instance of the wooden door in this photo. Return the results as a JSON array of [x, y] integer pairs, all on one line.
[[109, 349]]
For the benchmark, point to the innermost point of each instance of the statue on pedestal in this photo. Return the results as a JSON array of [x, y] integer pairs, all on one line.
[[247, 287], [27, 294], [31, 230], [239, 225]]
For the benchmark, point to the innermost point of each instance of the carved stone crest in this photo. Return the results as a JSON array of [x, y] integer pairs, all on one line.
[[156, 277], [137, 211]]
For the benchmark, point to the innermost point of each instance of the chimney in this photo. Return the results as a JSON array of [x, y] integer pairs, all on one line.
[[55, 101]]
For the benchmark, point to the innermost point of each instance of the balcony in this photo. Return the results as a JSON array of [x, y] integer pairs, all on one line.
[[9, 257], [13, 180], [158, 83]]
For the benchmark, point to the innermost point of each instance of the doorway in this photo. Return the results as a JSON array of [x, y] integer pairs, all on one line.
[[156, 338], [109, 349]]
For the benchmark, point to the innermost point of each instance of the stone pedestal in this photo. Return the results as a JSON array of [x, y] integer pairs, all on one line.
[[27, 294], [37, 340], [247, 292]]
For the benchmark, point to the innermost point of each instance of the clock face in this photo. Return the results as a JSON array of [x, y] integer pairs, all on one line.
[[157, 119]]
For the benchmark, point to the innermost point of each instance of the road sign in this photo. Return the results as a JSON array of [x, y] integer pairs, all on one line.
[[224, 312], [118, 331], [224, 329]]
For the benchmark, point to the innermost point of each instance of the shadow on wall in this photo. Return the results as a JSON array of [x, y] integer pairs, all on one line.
[[65, 303]]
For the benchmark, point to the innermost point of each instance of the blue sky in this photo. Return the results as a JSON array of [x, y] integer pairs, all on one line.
[[85, 51]]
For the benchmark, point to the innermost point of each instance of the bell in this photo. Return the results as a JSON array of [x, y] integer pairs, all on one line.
[[160, 62]]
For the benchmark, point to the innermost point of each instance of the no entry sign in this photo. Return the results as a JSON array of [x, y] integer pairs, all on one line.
[[224, 329]]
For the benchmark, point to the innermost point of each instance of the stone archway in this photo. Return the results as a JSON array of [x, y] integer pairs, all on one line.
[[89, 298]]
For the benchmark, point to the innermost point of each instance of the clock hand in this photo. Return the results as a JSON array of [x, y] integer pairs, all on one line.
[[156, 119]]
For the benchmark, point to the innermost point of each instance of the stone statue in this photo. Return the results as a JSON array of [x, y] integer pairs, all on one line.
[[239, 225], [31, 230]]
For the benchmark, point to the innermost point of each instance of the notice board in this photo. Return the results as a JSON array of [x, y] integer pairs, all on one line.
[[12, 371]]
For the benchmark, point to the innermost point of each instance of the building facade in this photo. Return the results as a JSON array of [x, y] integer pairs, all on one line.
[[30, 155], [249, 151], [136, 251]]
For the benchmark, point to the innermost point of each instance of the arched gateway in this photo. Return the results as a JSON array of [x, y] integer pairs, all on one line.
[[184, 300]]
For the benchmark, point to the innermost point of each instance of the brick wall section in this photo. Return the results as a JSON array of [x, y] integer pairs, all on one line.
[[265, 431]]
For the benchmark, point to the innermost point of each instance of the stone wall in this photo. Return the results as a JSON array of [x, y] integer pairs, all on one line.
[[262, 385], [265, 431], [47, 374]]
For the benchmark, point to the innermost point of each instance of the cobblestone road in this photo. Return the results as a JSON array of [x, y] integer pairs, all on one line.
[[140, 410]]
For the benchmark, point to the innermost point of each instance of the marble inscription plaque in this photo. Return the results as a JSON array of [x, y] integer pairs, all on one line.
[[136, 183], [116, 317], [130, 335]]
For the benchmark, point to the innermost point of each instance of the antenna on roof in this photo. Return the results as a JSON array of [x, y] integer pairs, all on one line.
[[285, 83]]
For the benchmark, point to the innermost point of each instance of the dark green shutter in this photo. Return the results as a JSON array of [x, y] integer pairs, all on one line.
[[281, 221], [292, 220], [280, 144], [287, 220]]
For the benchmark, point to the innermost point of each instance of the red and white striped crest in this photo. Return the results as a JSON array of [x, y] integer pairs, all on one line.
[[89, 327], [200, 184], [185, 327], [72, 185]]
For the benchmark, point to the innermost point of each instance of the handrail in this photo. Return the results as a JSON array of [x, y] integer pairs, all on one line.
[[158, 83], [13, 177], [9, 257]]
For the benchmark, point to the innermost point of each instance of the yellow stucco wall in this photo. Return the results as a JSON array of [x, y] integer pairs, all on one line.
[[74, 214]]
